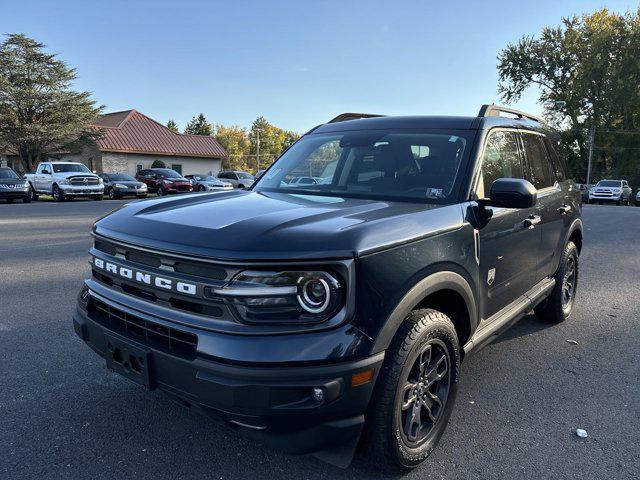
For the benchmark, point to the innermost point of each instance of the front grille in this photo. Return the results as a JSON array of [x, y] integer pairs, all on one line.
[[155, 260], [84, 181], [171, 340]]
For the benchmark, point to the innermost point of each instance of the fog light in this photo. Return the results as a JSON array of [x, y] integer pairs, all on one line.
[[318, 394]]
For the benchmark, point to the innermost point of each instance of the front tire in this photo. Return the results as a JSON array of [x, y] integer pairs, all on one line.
[[112, 194], [558, 306], [57, 194], [26, 199], [32, 193], [161, 192], [415, 392]]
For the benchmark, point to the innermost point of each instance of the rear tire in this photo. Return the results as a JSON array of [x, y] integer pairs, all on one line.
[[415, 392], [558, 306]]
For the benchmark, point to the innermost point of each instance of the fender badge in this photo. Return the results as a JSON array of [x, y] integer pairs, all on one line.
[[491, 276]]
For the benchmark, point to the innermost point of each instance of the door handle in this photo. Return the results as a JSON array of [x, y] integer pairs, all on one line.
[[531, 221], [564, 209]]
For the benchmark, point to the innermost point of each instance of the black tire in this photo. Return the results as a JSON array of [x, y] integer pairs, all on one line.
[[26, 199], [57, 194], [32, 192], [558, 306], [111, 193], [385, 437], [201, 188], [241, 187], [619, 202], [161, 192]]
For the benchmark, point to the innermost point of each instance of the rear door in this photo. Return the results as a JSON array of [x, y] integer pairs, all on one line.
[[551, 202], [508, 247]]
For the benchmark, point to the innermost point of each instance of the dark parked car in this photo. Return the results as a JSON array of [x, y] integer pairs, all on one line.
[[584, 191], [164, 181], [13, 186], [117, 185], [310, 317]]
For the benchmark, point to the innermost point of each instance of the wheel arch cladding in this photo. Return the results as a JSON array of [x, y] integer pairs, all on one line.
[[446, 291], [574, 234]]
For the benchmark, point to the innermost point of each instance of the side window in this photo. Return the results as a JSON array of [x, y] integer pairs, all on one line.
[[557, 157], [541, 174], [501, 159], [139, 168], [625, 184]]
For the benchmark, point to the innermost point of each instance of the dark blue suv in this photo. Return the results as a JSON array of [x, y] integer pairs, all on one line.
[[314, 316]]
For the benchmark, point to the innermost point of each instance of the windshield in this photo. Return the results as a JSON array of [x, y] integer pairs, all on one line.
[[120, 177], [8, 174], [246, 175], [70, 167], [168, 173], [608, 183], [398, 164]]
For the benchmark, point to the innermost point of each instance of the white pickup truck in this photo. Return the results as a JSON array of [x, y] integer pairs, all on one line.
[[64, 180]]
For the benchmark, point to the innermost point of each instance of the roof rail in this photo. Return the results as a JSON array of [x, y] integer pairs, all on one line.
[[343, 117], [494, 111]]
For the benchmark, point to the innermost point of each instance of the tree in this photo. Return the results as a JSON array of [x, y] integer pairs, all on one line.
[[158, 164], [235, 140], [39, 112], [273, 141], [173, 126], [199, 126], [588, 74]]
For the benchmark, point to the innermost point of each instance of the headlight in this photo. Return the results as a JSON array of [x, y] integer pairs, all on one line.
[[100, 181], [283, 296], [142, 187], [168, 182], [64, 181], [119, 185]]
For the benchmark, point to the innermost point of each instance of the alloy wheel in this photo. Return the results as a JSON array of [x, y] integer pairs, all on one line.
[[425, 392], [569, 281]]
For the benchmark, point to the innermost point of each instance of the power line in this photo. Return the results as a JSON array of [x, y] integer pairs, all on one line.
[[627, 132]]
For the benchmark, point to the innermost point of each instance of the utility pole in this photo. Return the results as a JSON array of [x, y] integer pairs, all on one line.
[[258, 152], [592, 135]]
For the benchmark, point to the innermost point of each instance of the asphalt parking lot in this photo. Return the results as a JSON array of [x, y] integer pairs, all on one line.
[[62, 415]]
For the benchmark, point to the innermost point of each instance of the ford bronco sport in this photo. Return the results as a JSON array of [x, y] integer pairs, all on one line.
[[316, 316]]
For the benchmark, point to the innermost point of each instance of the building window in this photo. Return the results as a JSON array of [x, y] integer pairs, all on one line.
[[177, 167], [139, 167]]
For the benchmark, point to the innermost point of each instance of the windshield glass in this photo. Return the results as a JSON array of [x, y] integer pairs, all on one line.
[[245, 175], [398, 164], [209, 178], [120, 177], [70, 167], [608, 183], [168, 173], [8, 174]]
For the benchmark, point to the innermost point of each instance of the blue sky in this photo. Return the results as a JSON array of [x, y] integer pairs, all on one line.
[[298, 63]]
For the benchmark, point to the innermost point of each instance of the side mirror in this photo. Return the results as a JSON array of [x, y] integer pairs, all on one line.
[[511, 193]]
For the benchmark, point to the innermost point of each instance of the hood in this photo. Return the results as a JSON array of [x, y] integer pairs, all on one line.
[[247, 225], [74, 174]]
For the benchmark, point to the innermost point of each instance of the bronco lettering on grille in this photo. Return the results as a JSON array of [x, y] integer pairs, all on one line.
[[145, 278]]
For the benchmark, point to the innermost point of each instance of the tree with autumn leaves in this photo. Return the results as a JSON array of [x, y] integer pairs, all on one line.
[[587, 71]]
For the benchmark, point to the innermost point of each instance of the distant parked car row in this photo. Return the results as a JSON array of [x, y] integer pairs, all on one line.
[[67, 180]]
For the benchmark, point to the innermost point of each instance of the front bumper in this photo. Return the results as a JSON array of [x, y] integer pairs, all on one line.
[[14, 193], [605, 197], [123, 192], [270, 402], [82, 190]]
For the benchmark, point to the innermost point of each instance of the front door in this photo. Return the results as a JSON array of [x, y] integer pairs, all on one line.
[[508, 244]]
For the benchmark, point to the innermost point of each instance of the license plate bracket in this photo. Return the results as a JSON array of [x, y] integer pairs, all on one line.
[[129, 360]]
